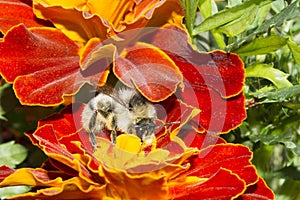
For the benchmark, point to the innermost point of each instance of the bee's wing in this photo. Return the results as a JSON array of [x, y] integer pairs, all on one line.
[[110, 91]]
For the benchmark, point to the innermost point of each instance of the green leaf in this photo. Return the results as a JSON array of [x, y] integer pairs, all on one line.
[[190, 8], [219, 38], [278, 5], [295, 51], [234, 2], [2, 93], [290, 12], [277, 77], [12, 154], [278, 95], [228, 15], [205, 7], [262, 158], [264, 11], [13, 190], [262, 46], [289, 190], [239, 25]]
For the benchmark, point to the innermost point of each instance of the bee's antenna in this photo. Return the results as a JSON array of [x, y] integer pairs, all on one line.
[[167, 124], [171, 123]]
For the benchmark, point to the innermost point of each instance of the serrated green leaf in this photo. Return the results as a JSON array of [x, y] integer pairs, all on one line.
[[262, 13], [262, 46], [219, 38], [228, 15], [295, 51], [278, 5], [205, 7], [12, 154], [239, 25], [290, 12], [234, 2], [279, 95], [277, 77], [13, 190], [190, 8]]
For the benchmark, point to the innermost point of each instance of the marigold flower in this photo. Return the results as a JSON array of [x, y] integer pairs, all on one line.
[[77, 42], [46, 66], [215, 169]]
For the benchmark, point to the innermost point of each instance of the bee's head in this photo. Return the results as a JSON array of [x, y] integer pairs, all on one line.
[[141, 113], [143, 117], [138, 106], [143, 128]]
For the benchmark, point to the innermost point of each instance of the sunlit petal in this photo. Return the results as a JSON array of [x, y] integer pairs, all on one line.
[[136, 66]]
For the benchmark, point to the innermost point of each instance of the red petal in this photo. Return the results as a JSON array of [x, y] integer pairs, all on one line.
[[97, 53], [44, 65], [14, 12], [154, 74], [213, 82], [224, 72], [199, 140], [233, 157], [222, 185], [81, 137], [86, 149], [217, 114], [65, 129], [175, 111], [66, 122], [258, 191], [5, 171], [48, 141]]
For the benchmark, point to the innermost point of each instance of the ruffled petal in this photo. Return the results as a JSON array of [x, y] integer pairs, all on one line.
[[136, 66], [72, 20], [43, 64], [217, 114], [14, 12], [222, 185], [5, 171], [230, 156], [221, 71], [213, 82], [199, 140], [258, 191]]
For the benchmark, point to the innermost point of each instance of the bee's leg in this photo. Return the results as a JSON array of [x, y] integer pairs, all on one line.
[[93, 140], [113, 134], [92, 135]]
